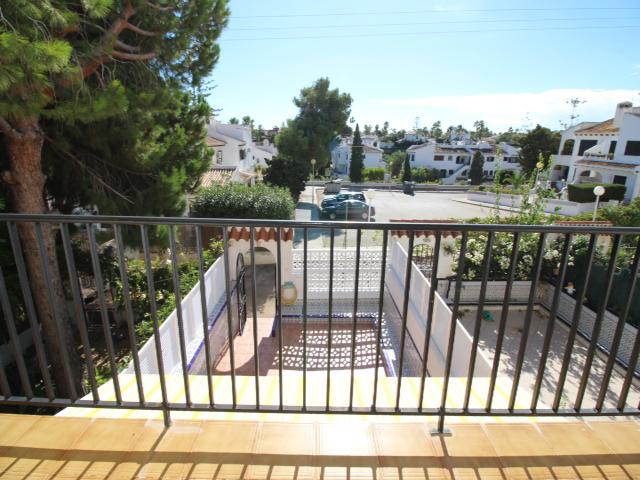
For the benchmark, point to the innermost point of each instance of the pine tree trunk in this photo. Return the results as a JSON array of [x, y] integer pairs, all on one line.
[[26, 184]]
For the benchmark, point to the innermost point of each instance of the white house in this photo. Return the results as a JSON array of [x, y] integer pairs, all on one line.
[[413, 136], [454, 160], [603, 152], [235, 152], [341, 154]]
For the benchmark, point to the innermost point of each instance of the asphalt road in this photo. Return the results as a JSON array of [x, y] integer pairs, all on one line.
[[396, 205], [389, 206]]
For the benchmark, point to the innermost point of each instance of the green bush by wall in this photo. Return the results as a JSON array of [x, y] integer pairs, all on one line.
[[243, 201], [583, 192], [374, 174]]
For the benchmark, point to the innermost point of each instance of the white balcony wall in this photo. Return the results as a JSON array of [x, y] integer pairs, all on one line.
[[417, 314]]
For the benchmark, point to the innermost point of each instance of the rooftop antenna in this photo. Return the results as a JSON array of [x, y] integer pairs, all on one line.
[[574, 102]]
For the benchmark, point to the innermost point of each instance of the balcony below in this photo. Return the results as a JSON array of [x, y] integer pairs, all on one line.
[[314, 447]]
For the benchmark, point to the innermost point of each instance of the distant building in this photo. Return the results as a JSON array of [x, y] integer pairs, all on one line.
[[603, 152], [454, 160], [414, 137], [341, 153], [235, 152]]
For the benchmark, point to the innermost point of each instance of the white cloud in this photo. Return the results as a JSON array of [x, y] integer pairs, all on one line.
[[498, 110]]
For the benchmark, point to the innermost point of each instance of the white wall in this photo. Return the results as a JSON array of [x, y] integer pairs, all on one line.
[[417, 314], [192, 322]]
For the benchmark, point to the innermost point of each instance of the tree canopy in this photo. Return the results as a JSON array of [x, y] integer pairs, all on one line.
[[323, 114], [539, 141], [66, 68]]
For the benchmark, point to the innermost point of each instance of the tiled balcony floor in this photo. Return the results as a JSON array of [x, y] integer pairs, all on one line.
[[75, 448]]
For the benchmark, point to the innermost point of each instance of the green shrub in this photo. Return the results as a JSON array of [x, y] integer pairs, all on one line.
[[424, 175], [243, 201], [583, 192], [374, 174]]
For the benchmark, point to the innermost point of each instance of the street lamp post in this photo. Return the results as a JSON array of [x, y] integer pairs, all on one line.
[[371, 193], [598, 192], [313, 166]]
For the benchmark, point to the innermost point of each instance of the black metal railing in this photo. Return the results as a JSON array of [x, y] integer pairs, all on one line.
[[58, 366]]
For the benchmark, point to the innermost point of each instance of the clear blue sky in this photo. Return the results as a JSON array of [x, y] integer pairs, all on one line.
[[509, 63]]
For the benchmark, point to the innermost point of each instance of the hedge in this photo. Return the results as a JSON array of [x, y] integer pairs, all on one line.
[[424, 175], [243, 201], [374, 174], [583, 192]]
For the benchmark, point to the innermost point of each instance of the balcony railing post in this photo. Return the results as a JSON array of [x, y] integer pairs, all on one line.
[[440, 430], [548, 334], [44, 265], [106, 328], [383, 271], [330, 317], [537, 268], [305, 289], [633, 359], [133, 341], [230, 336], [81, 320], [175, 273], [573, 331], [478, 321], [586, 372], [153, 310], [405, 313], [279, 314], [513, 263], [9, 322], [354, 328], [429, 324], [205, 316], [25, 289], [254, 280]]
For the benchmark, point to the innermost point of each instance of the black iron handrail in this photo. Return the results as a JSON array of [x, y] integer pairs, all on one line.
[[21, 382]]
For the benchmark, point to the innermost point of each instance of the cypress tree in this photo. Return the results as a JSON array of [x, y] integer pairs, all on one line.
[[406, 173], [475, 171], [357, 157]]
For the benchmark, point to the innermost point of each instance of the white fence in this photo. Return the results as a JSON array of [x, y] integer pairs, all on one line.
[[417, 312], [344, 265], [552, 205], [192, 321], [587, 320], [470, 291]]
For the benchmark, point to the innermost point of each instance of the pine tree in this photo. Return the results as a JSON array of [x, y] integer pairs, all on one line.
[[407, 176], [60, 63], [475, 171], [357, 157]]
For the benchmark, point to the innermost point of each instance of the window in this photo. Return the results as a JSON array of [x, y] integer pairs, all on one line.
[[219, 156], [438, 158], [243, 154], [450, 172], [567, 147], [413, 157], [620, 179], [459, 159], [612, 147], [443, 173], [585, 145], [450, 157], [490, 159], [632, 148]]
